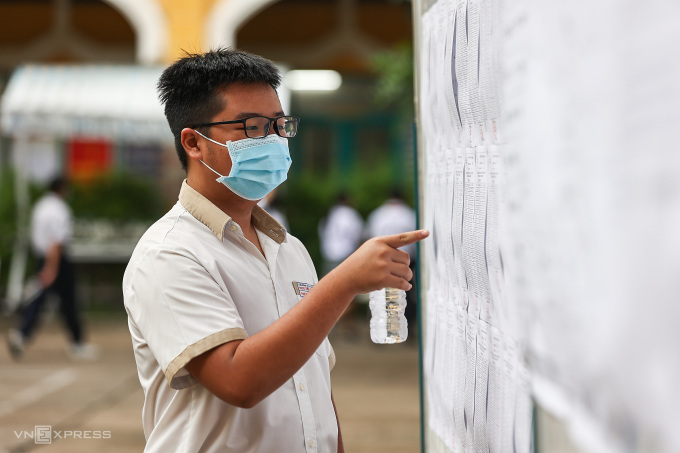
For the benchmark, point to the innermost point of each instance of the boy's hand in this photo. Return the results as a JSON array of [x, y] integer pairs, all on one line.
[[379, 264]]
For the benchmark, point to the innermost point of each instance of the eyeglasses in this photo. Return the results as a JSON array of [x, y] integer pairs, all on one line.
[[258, 126]]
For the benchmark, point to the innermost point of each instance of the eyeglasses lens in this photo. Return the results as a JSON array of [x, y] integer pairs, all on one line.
[[258, 126], [287, 126]]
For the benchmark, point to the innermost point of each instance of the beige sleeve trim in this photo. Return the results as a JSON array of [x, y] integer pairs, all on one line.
[[331, 357], [196, 349]]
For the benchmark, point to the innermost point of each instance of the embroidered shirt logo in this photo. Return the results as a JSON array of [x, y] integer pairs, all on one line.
[[301, 289]]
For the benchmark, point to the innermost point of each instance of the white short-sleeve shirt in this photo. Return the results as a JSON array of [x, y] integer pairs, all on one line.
[[393, 217], [194, 282], [341, 232], [51, 223]]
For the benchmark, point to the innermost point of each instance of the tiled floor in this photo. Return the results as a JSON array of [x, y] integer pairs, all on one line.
[[375, 390]]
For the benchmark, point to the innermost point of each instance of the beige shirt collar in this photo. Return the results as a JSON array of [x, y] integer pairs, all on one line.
[[215, 219]]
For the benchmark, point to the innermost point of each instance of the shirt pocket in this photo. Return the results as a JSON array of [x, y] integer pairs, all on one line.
[[300, 290]]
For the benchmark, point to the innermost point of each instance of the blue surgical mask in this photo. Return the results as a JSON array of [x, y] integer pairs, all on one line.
[[258, 165]]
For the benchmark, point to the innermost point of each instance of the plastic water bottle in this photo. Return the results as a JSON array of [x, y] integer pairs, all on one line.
[[388, 323]]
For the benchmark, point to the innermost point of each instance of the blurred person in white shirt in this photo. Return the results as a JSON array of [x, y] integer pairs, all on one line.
[[340, 232], [51, 231], [392, 216]]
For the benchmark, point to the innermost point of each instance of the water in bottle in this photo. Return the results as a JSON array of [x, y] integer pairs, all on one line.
[[388, 323]]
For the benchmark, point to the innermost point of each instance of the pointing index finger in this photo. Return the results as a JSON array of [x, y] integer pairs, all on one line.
[[402, 239]]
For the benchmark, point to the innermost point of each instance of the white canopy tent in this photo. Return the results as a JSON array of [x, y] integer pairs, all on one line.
[[114, 102]]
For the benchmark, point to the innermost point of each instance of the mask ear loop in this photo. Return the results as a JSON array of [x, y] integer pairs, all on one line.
[[217, 143], [210, 139], [209, 168]]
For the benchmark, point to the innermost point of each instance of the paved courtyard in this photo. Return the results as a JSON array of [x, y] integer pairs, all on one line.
[[375, 389]]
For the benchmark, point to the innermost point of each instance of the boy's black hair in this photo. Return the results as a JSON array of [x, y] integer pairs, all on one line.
[[189, 87]]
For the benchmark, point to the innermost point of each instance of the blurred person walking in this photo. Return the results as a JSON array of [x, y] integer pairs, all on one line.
[[393, 216], [51, 231], [340, 232]]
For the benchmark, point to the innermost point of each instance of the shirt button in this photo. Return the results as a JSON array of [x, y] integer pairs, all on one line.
[[302, 386], [233, 227], [311, 443]]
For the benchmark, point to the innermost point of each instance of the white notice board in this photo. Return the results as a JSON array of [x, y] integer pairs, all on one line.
[[549, 175]]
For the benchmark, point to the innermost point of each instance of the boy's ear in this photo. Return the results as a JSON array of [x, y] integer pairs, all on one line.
[[190, 141]]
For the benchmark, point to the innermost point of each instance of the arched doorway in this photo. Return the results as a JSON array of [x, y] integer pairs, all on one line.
[[341, 34], [111, 31], [65, 31]]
